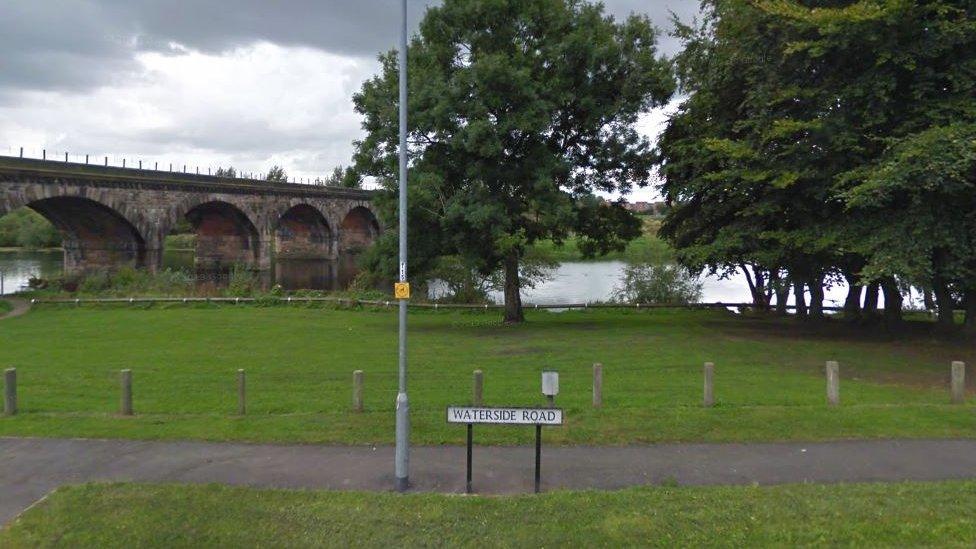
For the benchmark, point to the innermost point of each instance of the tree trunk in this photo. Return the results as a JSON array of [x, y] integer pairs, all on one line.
[[757, 287], [944, 302], [970, 303], [782, 288], [816, 297], [513, 297], [801, 300], [928, 299], [871, 299], [893, 299], [761, 298], [852, 305]]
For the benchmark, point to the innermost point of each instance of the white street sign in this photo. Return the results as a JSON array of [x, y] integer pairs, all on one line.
[[504, 416]]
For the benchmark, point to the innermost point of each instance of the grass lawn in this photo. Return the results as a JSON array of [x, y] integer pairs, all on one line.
[[5, 307], [128, 515], [299, 362]]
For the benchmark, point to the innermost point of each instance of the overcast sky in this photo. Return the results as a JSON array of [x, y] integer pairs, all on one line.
[[248, 83]]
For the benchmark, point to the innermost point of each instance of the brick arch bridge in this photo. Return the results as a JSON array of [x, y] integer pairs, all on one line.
[[112, 217]]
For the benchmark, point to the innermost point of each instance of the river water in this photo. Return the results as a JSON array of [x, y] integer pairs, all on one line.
[[572, 282]]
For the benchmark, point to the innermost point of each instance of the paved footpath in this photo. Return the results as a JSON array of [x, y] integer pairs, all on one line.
[[18, 307], [32, 467]]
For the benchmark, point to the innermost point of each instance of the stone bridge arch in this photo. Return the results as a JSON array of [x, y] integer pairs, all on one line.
[[98, 231], [226, 232], [358, 229], [303, 232]]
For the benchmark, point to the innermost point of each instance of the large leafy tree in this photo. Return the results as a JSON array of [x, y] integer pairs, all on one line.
[[747, 176], [919, 206], [520, 110], [897, 84], [801, 139]]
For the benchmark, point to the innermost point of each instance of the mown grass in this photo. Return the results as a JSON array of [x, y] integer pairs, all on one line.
[[5, 307], [134, 515], [299, 363]]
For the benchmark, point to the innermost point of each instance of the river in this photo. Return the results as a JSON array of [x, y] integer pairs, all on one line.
[[572, 282]]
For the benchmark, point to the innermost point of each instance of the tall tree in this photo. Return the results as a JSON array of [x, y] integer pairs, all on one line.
[[520, 110], [898, 92], [746, 177], [344, 177], [276, 174], [783, 155]]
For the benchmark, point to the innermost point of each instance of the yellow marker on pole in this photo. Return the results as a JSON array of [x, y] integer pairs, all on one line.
[[401, 290]]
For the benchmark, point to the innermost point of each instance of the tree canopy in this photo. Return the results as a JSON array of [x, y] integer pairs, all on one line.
[[519, 112], [799, 153], [276, 174]]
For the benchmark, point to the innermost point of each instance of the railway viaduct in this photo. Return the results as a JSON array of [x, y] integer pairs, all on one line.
[[111, 217]]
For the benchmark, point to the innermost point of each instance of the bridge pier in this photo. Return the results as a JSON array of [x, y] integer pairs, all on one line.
[[265, 251], [155, 246]]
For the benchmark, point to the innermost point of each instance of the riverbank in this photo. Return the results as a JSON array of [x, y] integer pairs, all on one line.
[[904, 514], [299, 362]]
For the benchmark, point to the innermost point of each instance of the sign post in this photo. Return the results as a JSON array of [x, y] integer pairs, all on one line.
[[402, 451], [471, 415]]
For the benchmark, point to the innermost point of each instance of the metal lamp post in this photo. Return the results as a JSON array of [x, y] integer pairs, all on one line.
[[402, 452]]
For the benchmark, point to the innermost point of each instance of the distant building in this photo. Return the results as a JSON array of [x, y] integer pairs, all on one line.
[[646, 208]]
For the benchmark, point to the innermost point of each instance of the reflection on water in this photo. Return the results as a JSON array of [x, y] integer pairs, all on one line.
[[292, 274], [573, 282], [590, 281], [16, 268]]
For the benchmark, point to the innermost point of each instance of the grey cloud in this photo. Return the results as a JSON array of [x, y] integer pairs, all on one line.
[[78, 44], [73, 44]]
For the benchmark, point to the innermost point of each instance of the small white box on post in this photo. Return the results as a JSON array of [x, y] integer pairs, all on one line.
[[550, 385]]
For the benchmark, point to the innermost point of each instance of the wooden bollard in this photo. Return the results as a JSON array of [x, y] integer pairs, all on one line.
[[357, 390], [597, 385], [126, 404], [833, 383], [709, 398], [10, 391], [958, 382], [478, 388], [241, 393]]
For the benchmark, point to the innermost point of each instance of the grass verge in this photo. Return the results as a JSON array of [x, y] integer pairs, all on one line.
[[133, 515], [5, 307], [299, 362]]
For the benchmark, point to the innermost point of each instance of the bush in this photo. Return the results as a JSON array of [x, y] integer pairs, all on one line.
[[25, 228], [243, 282], [665, 283], [456, 281], [183, 241]]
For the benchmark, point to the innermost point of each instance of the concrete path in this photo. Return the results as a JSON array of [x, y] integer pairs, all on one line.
[[30, 468], [20, 307]]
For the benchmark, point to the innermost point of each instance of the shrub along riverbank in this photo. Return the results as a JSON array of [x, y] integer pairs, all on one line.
[[769, 382], [904, 514]]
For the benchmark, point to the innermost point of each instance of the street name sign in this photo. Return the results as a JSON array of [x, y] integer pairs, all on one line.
[[504, 416], [479, 415]]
